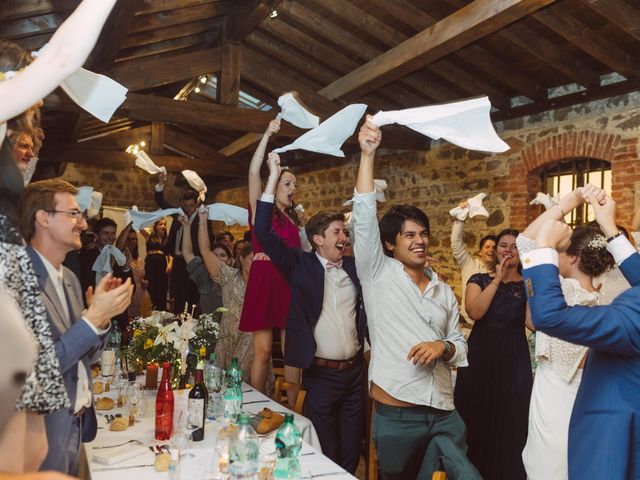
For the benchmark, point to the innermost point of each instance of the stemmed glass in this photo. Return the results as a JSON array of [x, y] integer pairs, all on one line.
[[135, 395]]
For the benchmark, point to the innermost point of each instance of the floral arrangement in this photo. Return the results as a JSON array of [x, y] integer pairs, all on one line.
[[165, 337]]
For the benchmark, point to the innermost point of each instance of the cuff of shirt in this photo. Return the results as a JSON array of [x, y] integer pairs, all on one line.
[[540, 256], [363, 196], [96, 330], [267, 197], [621, 249], [159, 187]]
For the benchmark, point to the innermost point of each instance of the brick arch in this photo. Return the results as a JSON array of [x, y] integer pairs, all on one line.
[[586, 143]]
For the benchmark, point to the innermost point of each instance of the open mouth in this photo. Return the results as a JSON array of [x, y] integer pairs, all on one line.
[[419, 250], [340, 246]]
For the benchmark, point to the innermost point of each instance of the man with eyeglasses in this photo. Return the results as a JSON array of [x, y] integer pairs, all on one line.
[[51, 223]]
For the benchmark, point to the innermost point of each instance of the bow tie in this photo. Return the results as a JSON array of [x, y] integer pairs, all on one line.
[[331, 265]]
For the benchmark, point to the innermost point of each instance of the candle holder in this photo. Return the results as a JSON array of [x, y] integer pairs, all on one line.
[[151, 380]]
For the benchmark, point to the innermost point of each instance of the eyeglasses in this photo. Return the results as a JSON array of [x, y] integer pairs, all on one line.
[[75, 214]]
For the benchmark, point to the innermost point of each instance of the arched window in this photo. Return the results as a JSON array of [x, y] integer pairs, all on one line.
[[566, 175]]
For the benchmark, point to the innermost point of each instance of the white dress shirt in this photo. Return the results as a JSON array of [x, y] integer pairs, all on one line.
[[83, 392], [335, 333], [400, 316]]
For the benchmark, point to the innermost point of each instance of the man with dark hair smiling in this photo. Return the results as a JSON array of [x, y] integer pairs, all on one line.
[[415, 337], [325, 325]]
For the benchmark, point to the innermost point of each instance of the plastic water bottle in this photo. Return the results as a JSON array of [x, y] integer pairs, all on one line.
[[213, 382], [232, 397], [244, 449], [288, 445]]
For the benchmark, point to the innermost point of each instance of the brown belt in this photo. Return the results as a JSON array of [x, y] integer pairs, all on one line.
[[155, 252], [337, 364]]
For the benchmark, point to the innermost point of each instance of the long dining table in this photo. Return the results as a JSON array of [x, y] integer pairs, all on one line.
[[130, 454]]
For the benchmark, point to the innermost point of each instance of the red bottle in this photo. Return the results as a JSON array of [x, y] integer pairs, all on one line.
[[164, 405]]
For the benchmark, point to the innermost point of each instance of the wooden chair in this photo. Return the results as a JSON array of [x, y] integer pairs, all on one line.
[[280, 393], [439, 476]]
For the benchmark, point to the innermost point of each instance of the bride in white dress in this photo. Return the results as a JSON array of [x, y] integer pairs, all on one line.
[[560, 363]]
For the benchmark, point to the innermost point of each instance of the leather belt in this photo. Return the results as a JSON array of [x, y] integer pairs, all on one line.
[[336, 364], [155, 252], [80, 412]]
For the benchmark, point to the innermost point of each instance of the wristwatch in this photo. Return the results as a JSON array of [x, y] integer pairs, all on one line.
[[613, 237], [448, 349]]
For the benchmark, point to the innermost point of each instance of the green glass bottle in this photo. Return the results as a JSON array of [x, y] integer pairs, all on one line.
[[288, 445]]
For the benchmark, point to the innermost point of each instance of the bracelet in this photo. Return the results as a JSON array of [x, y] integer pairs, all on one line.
[[613, 237]]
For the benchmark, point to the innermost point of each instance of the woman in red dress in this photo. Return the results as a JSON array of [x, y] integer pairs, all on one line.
[[267, 298]]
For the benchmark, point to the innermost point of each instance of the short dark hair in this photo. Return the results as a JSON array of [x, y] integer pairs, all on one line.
[[484, 239], [392, 222], [247, 236], [222, 246], [103, 223], [247, 249], [190, 195], [319, 223], [507, 231]]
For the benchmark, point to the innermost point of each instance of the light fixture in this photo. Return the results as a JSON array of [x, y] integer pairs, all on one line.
[[143, 143], [203, 79], [197, 89], [133, 149], [274, 13]]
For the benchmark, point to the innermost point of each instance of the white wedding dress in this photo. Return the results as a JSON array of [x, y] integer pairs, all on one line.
[[554, 391]]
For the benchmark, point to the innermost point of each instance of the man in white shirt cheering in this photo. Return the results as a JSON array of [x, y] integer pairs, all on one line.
[[415, 337]]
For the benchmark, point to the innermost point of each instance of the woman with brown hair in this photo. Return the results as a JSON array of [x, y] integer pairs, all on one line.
[[156, 263]]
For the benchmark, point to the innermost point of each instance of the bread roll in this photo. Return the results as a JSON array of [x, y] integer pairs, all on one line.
[[119, 424], [162, 462], [98, 388], [104, 403]]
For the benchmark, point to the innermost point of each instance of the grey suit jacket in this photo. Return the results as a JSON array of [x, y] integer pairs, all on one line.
[[75, 341]]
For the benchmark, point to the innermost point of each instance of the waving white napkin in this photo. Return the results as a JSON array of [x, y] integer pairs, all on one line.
[[111, 456], [380, 186], [144, 162], [296, 114], [229, 214], [102, 265], [195, 182], [89, 200], [474, 208], [31, 169], [544, 199], [329, 136], [145, 219], [466, 123]]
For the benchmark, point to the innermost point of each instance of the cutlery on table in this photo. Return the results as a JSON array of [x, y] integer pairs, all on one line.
[[117, 445], [256, 401], [327, 474], [122, 468]]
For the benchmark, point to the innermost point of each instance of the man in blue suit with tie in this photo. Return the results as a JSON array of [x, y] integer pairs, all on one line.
[[604, 433], [51, 223], [325, 325]]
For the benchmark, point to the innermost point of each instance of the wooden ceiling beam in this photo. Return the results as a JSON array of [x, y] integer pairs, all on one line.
[[228, 88], [589, 41], [119, 139], [155, 72], [149, 7], [169, 33], [618, 12], [245, 19], [116, 27], [181, 140], [12, 9], [463, 27], [206, 11], [156, 145], [174, 47], [123, 160], [36, 25]]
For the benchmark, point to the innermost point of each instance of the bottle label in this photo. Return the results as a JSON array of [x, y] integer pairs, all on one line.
[[195, 408], [232, 407]]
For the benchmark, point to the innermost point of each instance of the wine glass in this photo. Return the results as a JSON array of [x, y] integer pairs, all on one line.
[[134, 396]]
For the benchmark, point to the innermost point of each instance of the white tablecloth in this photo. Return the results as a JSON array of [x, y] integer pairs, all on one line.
[[199, 462]]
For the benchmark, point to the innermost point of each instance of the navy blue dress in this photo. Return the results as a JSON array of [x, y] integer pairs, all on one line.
[[492, 394]]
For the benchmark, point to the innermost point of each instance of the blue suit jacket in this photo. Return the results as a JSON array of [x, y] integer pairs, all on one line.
[[75, 342], [604, 433], [305, 275]]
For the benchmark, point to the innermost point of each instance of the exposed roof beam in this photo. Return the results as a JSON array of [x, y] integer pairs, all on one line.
[[476, 20], [179, 16], [228, 89], [155, 6], [24, 27], [12, 9], [155, 72], [246, 18], [620, 13]]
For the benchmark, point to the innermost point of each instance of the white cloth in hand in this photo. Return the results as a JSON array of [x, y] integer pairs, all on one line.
[[380, 186], [296, 114], [329, 136], [145, 219], [195, 181], [102, 265], [544, 199], [466, 123], [474, 208], [144, 162], [229, 214], [89, 201]]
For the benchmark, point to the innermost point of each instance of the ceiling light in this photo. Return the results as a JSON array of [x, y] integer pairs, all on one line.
[[197, 89], [203, 79], [142, 143], [273, 14]]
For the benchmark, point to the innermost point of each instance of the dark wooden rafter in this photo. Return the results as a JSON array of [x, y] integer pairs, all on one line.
[[37, 25], [156, 145], [476, 20], [12, 9], [620, 13], [205, 11], [228, 88], [149, 7], [116, 27], [247, 18]]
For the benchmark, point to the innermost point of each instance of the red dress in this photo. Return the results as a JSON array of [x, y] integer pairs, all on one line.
[[266, 301]]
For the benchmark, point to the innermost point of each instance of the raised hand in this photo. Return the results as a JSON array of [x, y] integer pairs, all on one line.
[[273, 161], [184, 220], [554, 234], [369, 137], [162, 177], [203, 214], [605, 214], [274, 127]]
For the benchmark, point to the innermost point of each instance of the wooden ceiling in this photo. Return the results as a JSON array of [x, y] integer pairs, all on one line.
[[528, 56]]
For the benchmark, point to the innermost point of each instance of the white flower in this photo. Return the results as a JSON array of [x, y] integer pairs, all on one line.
[[167, 334], [185, 332]]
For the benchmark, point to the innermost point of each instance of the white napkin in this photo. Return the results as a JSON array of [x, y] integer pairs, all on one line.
[[89, 200], [466, 123], [544, 199], [31, 169], [144, 162], [102, 265], [329, 136], [145, 219], [380, 186], [474, 208], [229, 214], [95, 204], [111, 456], [295, 113], [195, 182]]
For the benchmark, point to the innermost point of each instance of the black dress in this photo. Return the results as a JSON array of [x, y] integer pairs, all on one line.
[[492, 394], [155, 272]]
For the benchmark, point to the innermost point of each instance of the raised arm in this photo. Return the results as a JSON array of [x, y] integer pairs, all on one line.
[[66, 52], [369, 139], [121, 241], [187, 244], [210, 259], [255, 184], [159, 192], [458, 248]]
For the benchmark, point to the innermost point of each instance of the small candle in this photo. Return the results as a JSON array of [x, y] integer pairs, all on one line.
[[151, 380]]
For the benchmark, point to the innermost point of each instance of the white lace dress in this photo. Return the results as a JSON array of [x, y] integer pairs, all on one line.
[[554, 391]]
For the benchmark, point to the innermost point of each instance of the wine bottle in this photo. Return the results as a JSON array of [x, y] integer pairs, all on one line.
[[197, 403]]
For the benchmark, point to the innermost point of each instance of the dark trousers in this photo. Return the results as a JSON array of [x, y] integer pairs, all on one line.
[[413, 442], [183, 289], [335, 405]]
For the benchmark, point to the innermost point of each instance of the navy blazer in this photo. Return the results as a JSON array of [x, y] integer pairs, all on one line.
[[75, 342], [604, 433], [305, 275], [175, 225]]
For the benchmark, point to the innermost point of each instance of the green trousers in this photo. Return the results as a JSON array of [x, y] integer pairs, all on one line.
[[413, 442]]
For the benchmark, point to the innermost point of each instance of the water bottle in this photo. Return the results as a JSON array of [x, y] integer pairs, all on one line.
[[244, 449], [115, 337], [288, 445], [232, 397], [213, 382]]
